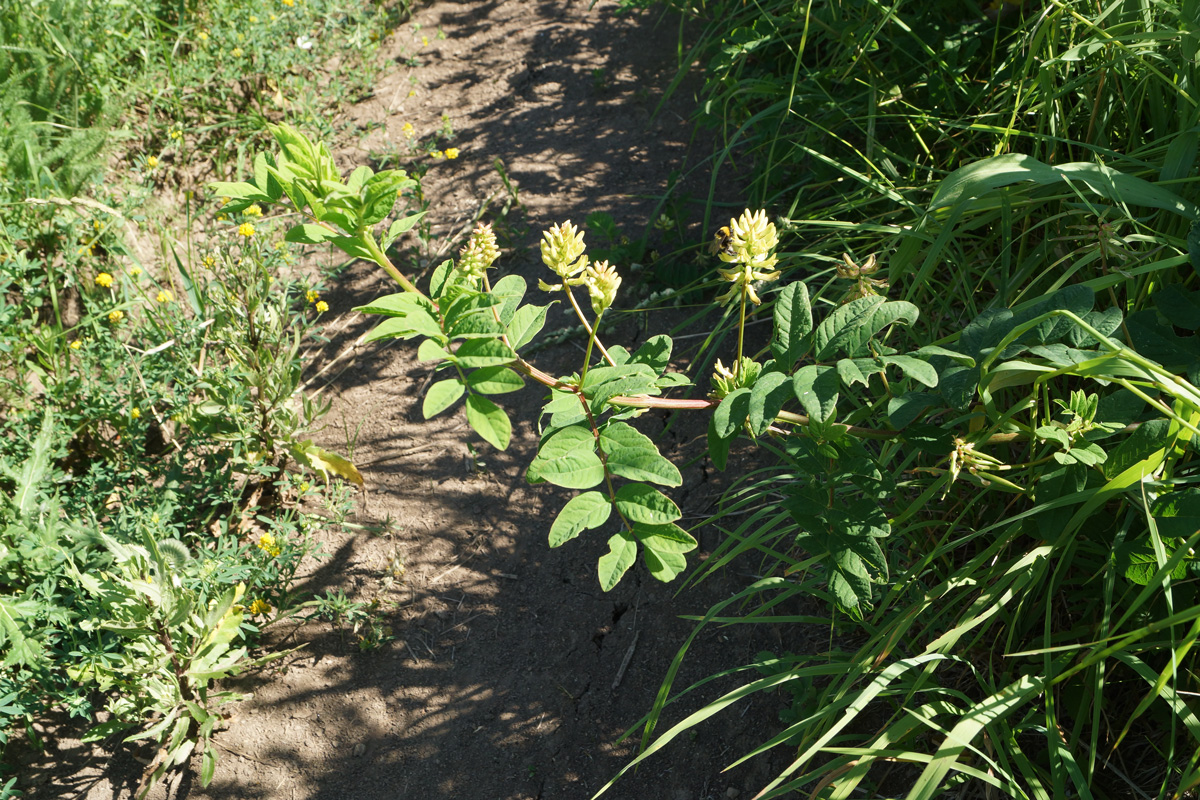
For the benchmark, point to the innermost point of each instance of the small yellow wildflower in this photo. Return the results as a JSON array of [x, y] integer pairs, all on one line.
[[152, 162], [164, 296], [246, 229], [95, 224], [321, 306], [116, 315], [273, 18], [289, 3], [252, 20], [209, 262], [260, 606], [104, 279], [255, 210], [408, 130], [412, 92], [202, 36], [436, 154], [236, 52], [424, 41], [134, 271], [268, 545], [451, 153], [75, 345], [176, 134], [312, 295], [304, 486], [135, 413]]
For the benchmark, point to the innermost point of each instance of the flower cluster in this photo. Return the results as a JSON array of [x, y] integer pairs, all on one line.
[[562, 252], [752, 241], [726, 381], [480, 251], [269, 545], [105, 280]]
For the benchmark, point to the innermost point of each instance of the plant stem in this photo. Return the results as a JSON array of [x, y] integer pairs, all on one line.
[[737, 365], [587, 356]]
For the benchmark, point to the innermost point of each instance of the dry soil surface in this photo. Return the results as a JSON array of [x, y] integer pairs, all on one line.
[[511, 674]]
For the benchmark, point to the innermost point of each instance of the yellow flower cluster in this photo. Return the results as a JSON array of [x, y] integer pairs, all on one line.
[[260, 606], [116, 315], [255, 210], [451, 153], [246, 229], [164, 296], [408, 130], [134, 271], [321, 306], [152, 162], [312, 296], [135, 413], [104, 279], [269, 545]]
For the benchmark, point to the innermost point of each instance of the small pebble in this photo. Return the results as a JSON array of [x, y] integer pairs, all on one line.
[[731, 793], [359, 749]]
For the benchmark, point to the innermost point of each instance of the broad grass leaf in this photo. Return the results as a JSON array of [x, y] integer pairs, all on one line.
[[441, 396], [489, 421], [484, 353], [494, 380], [633, 455], [793, 323], [990, 174], [767, 396], [567, 458], [582, 512], [639, 502], [612, 566], [526, 323]]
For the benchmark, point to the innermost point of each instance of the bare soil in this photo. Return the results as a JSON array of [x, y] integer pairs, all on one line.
[[502, 677]]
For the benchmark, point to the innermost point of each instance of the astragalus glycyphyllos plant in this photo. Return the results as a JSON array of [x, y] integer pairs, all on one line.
[[1002, 514]]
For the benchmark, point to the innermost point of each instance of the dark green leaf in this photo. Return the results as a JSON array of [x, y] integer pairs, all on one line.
[[731, 414], [767, 396], [793, 323], [816, 388]]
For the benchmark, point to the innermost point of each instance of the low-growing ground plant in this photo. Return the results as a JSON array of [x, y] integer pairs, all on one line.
[[1002, 515]]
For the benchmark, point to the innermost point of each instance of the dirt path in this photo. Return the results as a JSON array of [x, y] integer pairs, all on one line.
[[499, 682]]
